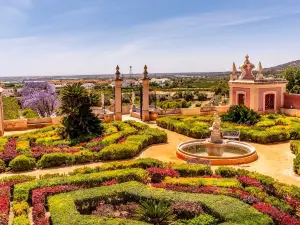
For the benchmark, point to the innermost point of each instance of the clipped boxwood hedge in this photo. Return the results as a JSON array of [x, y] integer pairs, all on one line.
[[270, 128], [65, 208], [22, 191], [295, 148], [22, 163]]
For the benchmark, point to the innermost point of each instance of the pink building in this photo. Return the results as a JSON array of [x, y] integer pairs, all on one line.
[[264, 95]]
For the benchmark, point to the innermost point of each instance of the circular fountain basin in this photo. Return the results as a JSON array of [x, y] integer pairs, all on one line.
[[226, 153]]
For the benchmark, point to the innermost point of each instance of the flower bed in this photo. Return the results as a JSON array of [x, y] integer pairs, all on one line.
[[109, 195], [44, 148]]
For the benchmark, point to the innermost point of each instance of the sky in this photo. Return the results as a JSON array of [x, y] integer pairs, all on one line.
[[69, 37]]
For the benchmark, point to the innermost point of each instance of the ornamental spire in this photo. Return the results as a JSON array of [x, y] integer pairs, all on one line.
[[233, 68], [118, 73], [260, 69], [145, 72]]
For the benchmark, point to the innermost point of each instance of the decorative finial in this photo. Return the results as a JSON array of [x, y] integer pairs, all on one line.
[[260, 72], [145, 72], [260, 69], [118, 73], [233, 68], [247, 59]]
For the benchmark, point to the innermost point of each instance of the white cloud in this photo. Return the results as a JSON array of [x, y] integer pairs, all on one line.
[[173, 45]]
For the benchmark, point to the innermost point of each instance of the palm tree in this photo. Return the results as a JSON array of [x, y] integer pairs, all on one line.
[[78, 118]]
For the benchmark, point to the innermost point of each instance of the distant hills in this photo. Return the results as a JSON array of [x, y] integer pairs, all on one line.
[[271, 71], [275, 70]]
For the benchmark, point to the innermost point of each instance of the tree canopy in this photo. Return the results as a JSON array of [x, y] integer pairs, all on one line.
[[292, 75], [40, 97], [78, 120]]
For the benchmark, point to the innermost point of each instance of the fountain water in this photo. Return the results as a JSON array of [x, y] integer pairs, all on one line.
[[216, 150]]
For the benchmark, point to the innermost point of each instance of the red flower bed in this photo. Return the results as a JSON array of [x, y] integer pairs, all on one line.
[[10, 151], [158, 174], [38, 201], [4, 210], [121, 140], [279, 216], [248, 181], [293, 202], [39, 150], [110, 182]]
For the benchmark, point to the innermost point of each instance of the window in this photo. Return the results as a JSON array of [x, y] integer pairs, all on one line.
[[241, 99], [269, 101]]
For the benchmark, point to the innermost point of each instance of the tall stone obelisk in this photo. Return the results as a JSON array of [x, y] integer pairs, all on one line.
[[146, 80], [118, 95]]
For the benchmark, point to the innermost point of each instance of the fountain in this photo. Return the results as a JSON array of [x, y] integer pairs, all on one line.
[[217, 151]]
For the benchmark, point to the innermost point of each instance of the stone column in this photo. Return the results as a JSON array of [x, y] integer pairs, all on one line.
[[118, 96], [1, 114], [146, 80]]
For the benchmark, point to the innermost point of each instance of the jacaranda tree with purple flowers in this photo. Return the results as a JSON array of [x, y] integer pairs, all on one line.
[[41, 97]]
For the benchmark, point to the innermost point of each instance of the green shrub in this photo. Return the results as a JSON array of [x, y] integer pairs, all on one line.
[[265, 123], [11, 108], [20, 208], [55, 159], [2, 166], [297, 164], [29, 113], [241, 114], [155, 212], [22, 163], [198, 182], [226, 171], [190, 170], [203, 219], [83, 157], [295, 147], [21, 220]]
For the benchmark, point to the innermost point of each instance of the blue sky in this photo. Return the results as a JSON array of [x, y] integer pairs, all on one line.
[[55, 37]]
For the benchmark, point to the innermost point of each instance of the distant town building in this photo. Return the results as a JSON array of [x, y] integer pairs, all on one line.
[[161, 81]]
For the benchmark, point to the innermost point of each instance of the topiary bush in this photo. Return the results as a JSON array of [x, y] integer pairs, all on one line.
[[54, 159], [241, 114], [22, 163]]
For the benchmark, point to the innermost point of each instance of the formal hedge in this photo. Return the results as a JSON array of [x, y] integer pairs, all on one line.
[[65, 208], [295, 148], [121, 140], [270, 128], [230, 196], [22, 191]]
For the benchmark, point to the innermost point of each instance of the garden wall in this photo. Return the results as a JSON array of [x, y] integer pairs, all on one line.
[[25, 124], [291, 101]]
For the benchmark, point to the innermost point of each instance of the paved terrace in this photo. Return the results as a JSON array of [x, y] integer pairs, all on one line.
[[275, 160]]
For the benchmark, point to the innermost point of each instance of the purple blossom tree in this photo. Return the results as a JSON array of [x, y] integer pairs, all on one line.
[[41, 97]]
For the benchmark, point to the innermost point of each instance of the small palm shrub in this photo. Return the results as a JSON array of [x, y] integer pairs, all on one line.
[[158, 213], [78, 118], [241, 114]]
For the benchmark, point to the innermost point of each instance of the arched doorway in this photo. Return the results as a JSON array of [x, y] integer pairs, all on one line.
[[241, 99], [269, 101]]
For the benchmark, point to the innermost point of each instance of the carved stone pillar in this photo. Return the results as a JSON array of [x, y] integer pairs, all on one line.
[[146, 80], [118, 96]]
